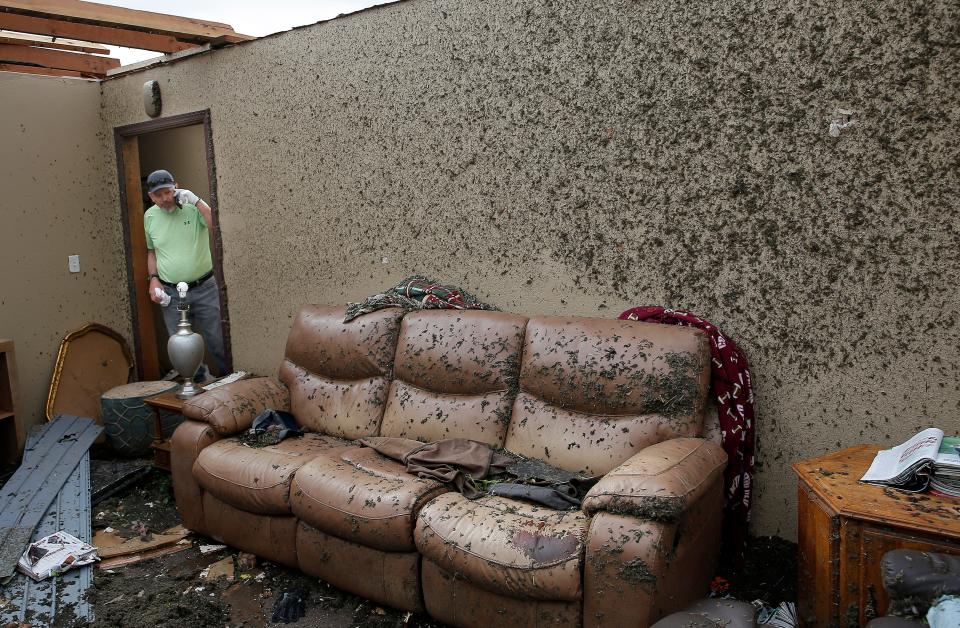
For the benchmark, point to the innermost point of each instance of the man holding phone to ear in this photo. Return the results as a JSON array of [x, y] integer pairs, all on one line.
[[178, 228]]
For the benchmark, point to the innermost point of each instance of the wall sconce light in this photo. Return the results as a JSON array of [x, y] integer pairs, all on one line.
[[152, 103]]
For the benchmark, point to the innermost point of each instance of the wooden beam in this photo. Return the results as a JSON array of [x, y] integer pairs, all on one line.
[[182, 28], [88, 64], [32, 69], [49, 42], [99, 34]]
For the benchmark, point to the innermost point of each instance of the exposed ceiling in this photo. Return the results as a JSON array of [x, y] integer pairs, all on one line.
[[64, 37]]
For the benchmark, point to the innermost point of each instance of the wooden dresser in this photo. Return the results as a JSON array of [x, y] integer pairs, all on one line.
[[845, 528]]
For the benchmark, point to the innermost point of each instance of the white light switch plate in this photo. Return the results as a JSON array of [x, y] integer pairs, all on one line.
[[73, 263]]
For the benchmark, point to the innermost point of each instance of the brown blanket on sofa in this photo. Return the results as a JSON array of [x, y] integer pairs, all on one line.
[[457, 460], [463, 462]]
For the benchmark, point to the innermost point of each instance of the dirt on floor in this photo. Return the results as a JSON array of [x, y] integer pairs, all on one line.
[[171, 591], [769, 572], [149, 502]]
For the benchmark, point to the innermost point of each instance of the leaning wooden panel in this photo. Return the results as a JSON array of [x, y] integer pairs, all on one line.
[[91, 361]]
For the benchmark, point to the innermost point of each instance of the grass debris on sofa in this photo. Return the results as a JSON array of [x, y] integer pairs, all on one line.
[[621, 399]]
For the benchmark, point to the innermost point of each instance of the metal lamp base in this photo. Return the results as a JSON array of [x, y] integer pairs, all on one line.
[[188, 390]]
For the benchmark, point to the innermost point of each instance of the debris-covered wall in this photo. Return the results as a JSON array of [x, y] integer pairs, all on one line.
[[585, 156], [57, 198]]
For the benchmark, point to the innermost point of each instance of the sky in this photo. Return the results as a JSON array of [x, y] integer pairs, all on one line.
[[249, 17]]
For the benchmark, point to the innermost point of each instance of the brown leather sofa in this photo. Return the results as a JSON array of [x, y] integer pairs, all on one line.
[[619, 398]]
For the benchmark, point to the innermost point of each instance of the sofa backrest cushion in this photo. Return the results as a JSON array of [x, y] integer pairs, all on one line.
[[339, 373], [455, 375], [593, 391]]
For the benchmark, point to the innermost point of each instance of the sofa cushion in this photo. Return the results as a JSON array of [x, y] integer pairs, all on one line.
[[453, 600], [363, 497], [596, 391], [506, 546], [268, 536], [339, 373], [455, 375], [258, 479], [391, 578]]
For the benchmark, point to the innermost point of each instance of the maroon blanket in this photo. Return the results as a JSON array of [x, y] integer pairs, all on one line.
[[733, 393]]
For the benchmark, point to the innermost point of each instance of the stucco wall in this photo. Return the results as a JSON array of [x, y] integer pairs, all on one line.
[[586, 156], [54, 202]]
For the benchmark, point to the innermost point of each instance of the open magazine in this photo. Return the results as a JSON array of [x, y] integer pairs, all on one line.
[[929, 459]]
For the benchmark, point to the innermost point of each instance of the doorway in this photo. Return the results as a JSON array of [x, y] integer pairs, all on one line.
[[183, 145]]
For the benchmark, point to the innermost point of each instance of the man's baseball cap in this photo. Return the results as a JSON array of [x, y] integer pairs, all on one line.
[[159, 179]]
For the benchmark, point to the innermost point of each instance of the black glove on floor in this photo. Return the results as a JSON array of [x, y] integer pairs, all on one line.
[[289, 607]]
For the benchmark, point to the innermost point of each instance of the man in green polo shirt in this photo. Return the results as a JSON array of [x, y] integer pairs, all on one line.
[[178, 228]]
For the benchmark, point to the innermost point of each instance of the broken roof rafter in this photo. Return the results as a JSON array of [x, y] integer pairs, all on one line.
[[86, 32], [57, 59], [106, 24], [32, 69], [52, 42], [42, 25]]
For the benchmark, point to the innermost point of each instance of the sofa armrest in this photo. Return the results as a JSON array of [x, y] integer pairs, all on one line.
[[660, 482], [231, 409]]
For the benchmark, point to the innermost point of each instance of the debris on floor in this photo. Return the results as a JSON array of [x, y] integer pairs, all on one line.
[[209, 549], [123, 542], [109, 477], [246, 562], [783, 616], [221, 569]]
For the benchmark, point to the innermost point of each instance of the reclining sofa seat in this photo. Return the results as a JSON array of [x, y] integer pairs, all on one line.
[[615, 398]]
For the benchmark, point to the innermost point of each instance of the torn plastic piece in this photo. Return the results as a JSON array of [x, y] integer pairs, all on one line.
[[945, 612], [842, 120]]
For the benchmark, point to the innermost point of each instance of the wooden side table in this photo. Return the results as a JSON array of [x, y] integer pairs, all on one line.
[[845, 528], [161, 447]]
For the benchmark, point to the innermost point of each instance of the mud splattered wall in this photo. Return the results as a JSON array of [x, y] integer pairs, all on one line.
[[582, 157], [54, 202]]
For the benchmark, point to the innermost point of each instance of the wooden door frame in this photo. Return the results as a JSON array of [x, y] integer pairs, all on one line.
[[126, 140]]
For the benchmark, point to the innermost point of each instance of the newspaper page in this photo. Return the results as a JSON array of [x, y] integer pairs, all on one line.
[[899, 466]]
